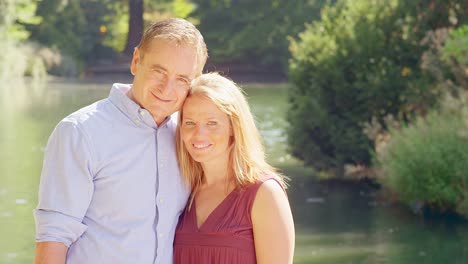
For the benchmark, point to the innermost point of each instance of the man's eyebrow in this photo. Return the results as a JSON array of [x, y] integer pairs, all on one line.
[[158, 66], [184, 76]]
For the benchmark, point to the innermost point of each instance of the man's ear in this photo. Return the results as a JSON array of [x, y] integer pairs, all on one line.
[[135, 61]]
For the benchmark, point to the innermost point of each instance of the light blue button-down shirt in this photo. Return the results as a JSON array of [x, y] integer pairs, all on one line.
[[110, 187]]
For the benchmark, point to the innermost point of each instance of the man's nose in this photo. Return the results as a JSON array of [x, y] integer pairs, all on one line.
[[167, 86]]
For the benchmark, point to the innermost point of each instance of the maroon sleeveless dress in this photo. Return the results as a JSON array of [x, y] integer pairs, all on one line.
[[226, 236]]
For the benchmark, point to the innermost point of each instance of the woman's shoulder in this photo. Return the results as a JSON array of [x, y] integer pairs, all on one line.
[[270, 182], [270, 198], [270, 186], [267, 181], [265, 186]]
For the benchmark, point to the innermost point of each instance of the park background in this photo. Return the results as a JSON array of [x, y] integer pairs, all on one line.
[[362, 103]]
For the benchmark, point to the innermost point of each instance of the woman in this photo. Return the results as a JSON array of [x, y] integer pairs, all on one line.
[[238, 211]]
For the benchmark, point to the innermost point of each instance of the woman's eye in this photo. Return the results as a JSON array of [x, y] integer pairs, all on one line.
[[189, 123], [212, 123]]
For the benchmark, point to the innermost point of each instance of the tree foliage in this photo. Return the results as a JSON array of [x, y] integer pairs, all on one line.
[[89, 29], [74, 27], [455, 56], [161, 9], [74, 33], [253, 31], [14, 15], [361, 60], [424, 161]]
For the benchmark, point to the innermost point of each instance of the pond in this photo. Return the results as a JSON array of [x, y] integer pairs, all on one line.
[[335, 222]]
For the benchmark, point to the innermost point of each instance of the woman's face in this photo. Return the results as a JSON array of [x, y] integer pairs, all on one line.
[[206, 131]]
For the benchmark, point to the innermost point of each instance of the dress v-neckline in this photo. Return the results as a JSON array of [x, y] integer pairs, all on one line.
[[208, 218]]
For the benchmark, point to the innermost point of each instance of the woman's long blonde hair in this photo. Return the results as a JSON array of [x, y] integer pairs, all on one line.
[[247, 157]]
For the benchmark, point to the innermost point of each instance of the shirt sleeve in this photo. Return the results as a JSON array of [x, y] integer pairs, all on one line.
[[66, 186]]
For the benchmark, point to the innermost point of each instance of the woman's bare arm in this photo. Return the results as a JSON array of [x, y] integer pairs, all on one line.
[[273, 225]]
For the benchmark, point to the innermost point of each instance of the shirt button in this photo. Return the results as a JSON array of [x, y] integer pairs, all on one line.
[[161, 200], [142, 112], [161, 235], [137, 120]]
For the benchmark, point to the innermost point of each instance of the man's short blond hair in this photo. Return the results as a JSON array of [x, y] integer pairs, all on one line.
[[178, 31]]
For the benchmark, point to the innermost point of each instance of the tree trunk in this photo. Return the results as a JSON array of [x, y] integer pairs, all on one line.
[[135, 25]]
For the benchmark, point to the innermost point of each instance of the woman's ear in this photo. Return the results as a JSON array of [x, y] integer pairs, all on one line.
[[231, 138]]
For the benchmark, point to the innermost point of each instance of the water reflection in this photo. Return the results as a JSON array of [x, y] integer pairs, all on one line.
[[347, 228], [336, 223]]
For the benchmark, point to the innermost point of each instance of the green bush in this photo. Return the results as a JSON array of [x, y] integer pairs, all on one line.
[[361, 60], [456, 46], [455, 55], [427, 161]]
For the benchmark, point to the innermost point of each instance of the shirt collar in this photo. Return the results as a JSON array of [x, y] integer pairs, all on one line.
[[139, 116]]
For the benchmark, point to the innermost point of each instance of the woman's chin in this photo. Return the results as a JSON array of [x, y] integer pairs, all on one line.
[[197, 158]]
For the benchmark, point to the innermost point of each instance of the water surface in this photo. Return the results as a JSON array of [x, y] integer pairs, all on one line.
[[335, 222]]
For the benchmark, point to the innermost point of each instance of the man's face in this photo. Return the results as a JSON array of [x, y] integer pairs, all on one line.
[[162, 77]]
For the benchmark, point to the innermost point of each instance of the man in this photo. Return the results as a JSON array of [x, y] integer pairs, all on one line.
[[110, 188]]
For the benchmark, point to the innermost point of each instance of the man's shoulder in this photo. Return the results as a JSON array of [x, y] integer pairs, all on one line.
[[92, 120], [102, 111], [90, 113]]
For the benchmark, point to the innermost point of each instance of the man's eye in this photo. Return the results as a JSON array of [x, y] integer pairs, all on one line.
[[212, 123], [189, 123], [183, 81], [159, 74]]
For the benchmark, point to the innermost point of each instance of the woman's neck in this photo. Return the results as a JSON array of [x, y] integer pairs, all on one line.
[[216, 173]]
